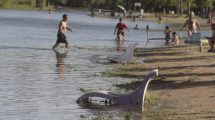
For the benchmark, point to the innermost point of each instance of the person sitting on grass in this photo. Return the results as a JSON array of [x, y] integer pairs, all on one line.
[[175, 39], [211, 40]]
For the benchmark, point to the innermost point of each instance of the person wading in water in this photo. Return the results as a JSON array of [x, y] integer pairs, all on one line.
[[62, 29], [192, 25], [120, 27]]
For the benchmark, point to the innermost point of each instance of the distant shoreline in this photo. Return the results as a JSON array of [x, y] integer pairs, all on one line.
[[57, 8], [175, 20]]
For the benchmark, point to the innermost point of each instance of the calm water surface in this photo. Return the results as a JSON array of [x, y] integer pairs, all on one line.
[[39, 84]]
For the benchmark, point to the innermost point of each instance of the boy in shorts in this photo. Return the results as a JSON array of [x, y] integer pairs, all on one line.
[[211, 40]]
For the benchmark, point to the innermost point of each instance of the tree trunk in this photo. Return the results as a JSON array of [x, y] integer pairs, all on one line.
[[37, 3], [43, 4], [33, 3], [189, 4], [181, 11], [178, 9], [128, 5]]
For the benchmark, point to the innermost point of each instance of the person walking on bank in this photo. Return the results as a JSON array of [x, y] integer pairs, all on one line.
[[62, 29]]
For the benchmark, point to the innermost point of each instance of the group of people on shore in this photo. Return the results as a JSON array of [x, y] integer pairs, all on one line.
[[193, 27]]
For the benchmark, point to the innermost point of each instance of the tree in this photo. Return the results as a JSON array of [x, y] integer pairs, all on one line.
[[43, 4], [5, 3], [189, 5], [97, 2], [33, 3], [77, 3]]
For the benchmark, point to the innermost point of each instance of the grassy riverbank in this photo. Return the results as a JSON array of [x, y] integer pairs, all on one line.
[[185, 87]]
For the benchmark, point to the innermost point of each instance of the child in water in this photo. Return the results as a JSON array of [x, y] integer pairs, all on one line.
[[167, 33], [136, 27], [175, 39], [160, 19], [211, 40]]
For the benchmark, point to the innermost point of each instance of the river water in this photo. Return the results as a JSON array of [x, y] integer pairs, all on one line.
[[39, 84]]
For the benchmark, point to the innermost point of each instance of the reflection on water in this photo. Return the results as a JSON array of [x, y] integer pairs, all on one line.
[[120, 45], [60, 56]]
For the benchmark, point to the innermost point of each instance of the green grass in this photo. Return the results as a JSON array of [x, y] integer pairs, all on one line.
[[21, 7], [150, 99]]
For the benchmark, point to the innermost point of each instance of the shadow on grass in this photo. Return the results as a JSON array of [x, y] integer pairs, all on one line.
[[161, 49], [164, 75], [186, 67], [176, 59], [157, 54], [187, 74], [140, 68], [162, 85]]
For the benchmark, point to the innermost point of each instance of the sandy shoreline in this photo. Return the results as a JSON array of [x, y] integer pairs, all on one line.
[[186, 82], [185, 88]]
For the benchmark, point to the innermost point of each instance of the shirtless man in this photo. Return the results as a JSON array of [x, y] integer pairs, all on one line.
[[62, 29], [192, 25]]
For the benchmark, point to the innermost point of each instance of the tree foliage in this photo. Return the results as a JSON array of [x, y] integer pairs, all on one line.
[[151, 5]]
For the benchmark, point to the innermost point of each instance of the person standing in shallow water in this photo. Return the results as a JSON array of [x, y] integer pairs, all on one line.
[[120, 27], [211, 40], [62, 29], [167, 33], [160, 19], [192, 25]]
